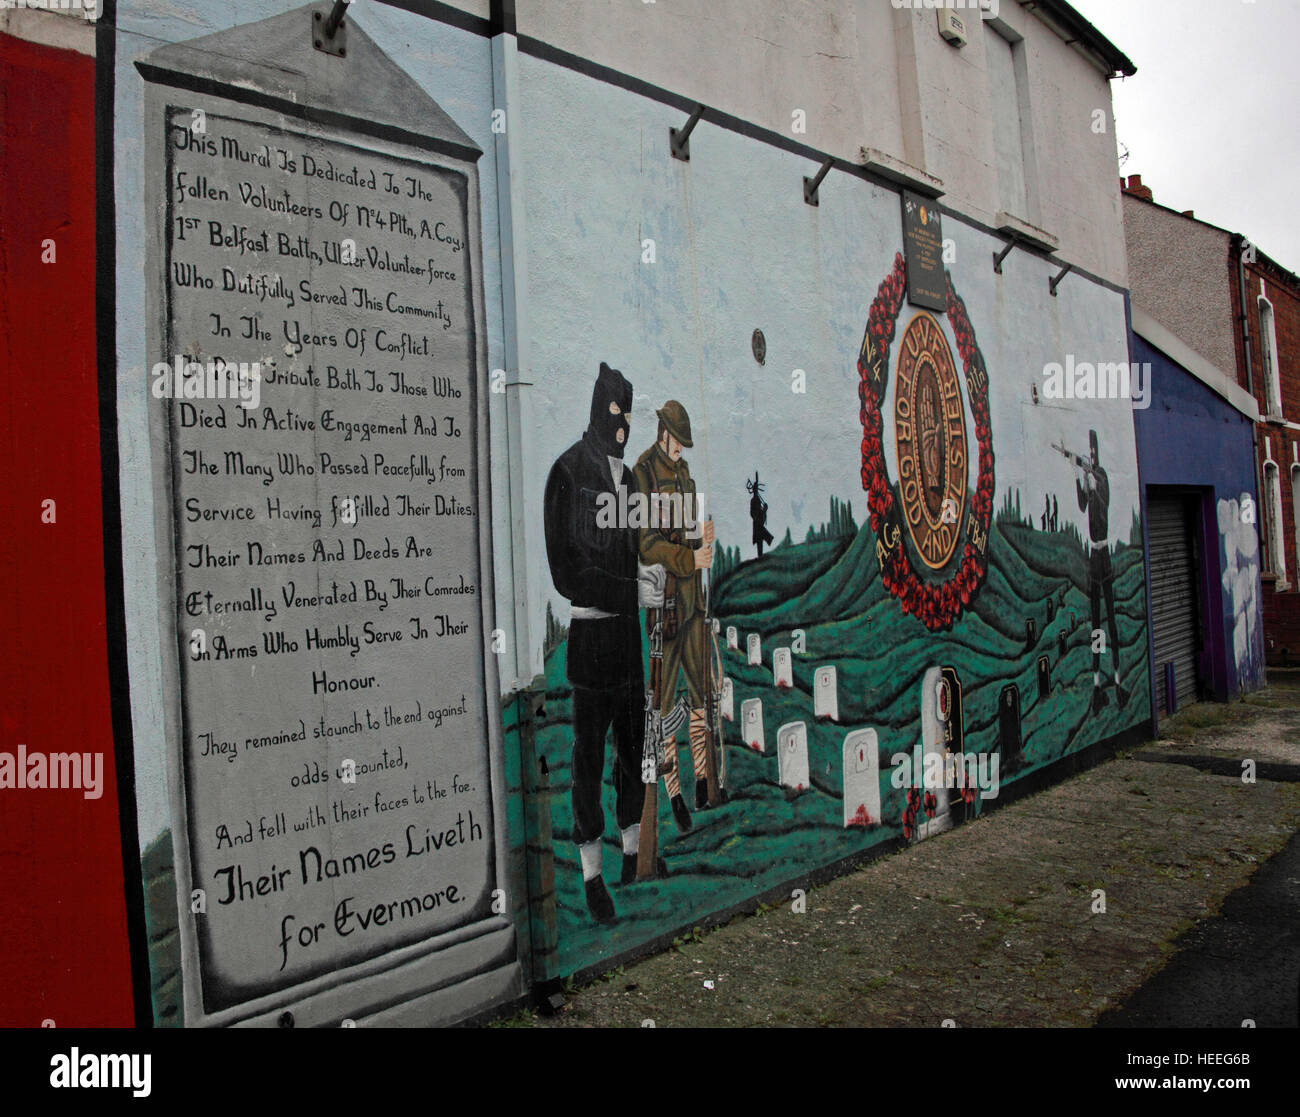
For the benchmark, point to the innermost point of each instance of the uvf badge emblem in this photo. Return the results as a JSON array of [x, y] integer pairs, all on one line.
[[935, 565], [930, 433]]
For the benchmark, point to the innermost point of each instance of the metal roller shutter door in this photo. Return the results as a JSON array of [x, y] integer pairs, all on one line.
[[1173, 597]]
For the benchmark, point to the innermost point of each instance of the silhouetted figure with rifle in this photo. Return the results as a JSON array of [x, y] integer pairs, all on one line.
[[758, 513], [1094, 498]]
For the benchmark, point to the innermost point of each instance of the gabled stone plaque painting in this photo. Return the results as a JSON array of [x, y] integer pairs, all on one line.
[[319, 441]]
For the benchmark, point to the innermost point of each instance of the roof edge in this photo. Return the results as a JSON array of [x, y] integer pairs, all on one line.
[[1084, 32], [1222, 385]]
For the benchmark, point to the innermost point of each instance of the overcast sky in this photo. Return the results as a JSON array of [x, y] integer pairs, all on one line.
[[1211, 120]]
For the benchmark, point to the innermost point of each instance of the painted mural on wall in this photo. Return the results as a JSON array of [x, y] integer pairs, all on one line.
[[618, 540], [761, 617], [940, 637], [1240, 564]]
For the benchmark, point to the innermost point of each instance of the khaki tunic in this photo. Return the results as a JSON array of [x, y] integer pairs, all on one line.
[[669, 547]]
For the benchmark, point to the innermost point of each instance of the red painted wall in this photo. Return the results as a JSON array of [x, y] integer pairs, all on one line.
[[63, 937]]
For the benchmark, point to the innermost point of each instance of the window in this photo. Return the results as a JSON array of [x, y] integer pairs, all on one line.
[[1009, 107], [1273, 521], [1295, 510], [1272, 373]]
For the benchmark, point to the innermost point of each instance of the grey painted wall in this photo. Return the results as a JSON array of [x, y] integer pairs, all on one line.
[[1178, 273]]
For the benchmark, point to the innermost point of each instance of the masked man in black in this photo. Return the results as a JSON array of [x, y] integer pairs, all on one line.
[[593, 561]]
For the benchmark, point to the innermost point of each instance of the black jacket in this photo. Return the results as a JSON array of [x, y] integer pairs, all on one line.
[[594, 566], [1096, 504]]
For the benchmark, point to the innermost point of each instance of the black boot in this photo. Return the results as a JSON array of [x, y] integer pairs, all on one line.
[[629, 869], [598, 901], [1098, 699], [1121, 696], [701, 794], [681, 814]]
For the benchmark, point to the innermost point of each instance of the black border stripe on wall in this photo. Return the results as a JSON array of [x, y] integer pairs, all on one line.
[[453, 16], [119, 683], [558, 57]]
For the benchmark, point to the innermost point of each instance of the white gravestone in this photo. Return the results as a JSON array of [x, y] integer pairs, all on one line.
[[728, 700], [826, 702], [733, 638], [755, 645], [782, 672], [792, 755], [862, 778], [933, 744], [751, 724]]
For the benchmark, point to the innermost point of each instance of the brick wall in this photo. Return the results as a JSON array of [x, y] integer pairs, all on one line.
[[1282, 627], [1276, 439]]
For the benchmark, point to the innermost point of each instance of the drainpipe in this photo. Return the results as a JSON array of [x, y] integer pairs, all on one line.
[[1237, 241]]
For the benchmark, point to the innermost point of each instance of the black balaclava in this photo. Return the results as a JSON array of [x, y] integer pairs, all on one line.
[[611, 387]]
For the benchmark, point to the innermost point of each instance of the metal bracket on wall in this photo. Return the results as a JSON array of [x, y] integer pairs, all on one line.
[[1055, 281], [998, 257], [680, 138], [812, 185], [329, 34]]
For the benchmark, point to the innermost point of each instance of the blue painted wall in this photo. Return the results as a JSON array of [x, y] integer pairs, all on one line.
[[1190, 436]]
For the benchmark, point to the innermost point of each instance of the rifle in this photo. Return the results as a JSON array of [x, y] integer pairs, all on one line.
[[652, 755], [715, 765], [1083, 463], [653, 760], [716, 757]]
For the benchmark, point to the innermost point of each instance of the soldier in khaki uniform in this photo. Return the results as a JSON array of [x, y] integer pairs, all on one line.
[[664, 479]]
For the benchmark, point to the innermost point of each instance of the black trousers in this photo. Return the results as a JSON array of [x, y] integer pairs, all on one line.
[[1101, 581], [595, 712]]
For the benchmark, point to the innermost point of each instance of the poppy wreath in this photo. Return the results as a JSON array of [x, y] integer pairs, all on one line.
[[910, 813], [935, 604]]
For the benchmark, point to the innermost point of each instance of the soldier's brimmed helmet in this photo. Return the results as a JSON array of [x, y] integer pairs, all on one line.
[[676, 422]]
